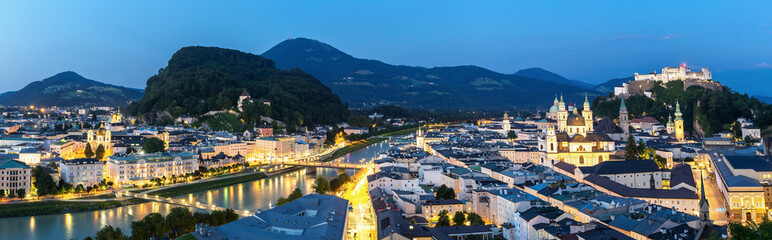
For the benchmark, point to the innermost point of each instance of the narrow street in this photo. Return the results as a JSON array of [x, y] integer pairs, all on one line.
[[361, 223]]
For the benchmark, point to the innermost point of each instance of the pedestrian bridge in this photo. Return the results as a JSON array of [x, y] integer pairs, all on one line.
[[329, 164], [192, 204]]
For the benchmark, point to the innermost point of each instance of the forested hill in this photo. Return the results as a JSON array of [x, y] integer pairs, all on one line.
[[68, 89], [705, 111], [202, 79], [365, 83]]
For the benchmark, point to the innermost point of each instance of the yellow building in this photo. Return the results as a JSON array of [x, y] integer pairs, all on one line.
[[679, 123], [102, 137], [574, 142]]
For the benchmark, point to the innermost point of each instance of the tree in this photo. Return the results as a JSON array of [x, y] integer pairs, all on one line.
[[344, 178], [444, 192], [281, 201], [475, 219], [443, 220], [2, 193], [511, 135], [153, 145], [751, 230], [11, 193], [79, 188], [295, 195], [21, 192], [335, 185], [631, 149], [180, 221], [459, 219], [152, 225], [748, 140], [110, 233], [321, 185], [100, 152], [44, 183], [88, 152]]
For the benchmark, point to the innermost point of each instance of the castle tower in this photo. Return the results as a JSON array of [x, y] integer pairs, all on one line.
[[624, 123], [505, 123], [562, 114], [704, 206], [670, 125], [679, 123], [587, 114]]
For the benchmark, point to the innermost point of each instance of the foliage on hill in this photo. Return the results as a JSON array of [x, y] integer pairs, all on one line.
[[704, 111], [202, 79], [365, 83], [68, 89]]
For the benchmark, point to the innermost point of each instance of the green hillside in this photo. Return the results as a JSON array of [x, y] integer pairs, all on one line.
[[202, 79], [714, 111]]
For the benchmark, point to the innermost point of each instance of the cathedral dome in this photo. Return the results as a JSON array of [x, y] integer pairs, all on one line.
[[575, 120], [554, 109], [101, 131]]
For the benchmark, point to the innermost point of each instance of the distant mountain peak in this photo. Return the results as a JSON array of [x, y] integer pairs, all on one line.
[[311, 49], [69, 88]]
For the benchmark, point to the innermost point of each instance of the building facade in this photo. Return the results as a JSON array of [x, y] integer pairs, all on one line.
[[15, 175], [139, 168], [86, 171]]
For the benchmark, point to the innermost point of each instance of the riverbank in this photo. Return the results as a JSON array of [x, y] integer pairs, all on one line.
[[23, 209], [203, 186], [353, 147]]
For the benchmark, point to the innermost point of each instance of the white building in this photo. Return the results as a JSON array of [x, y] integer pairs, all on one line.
[[676, 73], [137, 168], [14, 175], [86, 171]]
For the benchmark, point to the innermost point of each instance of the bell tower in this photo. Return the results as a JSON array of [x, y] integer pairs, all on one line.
[[587, 114], [624, 123], [679, 123]]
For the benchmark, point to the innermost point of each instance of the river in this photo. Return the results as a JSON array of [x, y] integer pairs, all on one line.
[[251, 195]]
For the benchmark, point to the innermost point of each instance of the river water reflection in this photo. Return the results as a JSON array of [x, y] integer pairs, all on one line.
[[244, 196]]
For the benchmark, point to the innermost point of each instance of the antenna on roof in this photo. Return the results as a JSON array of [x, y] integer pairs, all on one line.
[[289, 36]]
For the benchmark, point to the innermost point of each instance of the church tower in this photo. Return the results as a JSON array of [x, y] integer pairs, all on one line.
[[562, 114], [670, 125], [704, 206], [587, 114], [624, 123], [679, 123], [505, 124], [420, 139], [552, 141]]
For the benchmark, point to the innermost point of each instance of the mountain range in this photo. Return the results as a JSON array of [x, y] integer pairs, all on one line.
[[68, 89], [363, 83]]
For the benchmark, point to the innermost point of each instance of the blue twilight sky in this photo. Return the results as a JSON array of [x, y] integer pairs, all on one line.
[[125, 42]]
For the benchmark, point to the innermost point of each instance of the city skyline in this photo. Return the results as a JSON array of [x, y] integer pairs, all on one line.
[[125, 44]]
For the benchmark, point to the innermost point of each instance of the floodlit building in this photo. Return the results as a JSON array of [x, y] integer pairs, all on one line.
[[14, 175], [137, 168], [86, 171], [676, 73]]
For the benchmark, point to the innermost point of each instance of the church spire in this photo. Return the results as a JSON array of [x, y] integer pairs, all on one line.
[[586, 103], [704, 205], [678, 113], [622, 105]]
